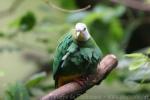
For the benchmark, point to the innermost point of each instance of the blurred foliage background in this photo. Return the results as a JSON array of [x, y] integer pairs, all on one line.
[[29, 33]]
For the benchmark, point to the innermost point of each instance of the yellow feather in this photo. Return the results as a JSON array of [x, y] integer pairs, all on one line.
[[66, 79]]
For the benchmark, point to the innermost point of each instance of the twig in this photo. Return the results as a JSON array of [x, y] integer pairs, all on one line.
[[135, 4], [73, 89], [50, 4]]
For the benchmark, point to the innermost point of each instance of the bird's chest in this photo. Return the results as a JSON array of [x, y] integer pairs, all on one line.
[[77, 62], [80, 58]]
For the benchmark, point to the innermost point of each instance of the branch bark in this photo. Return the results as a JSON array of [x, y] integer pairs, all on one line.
[[135, 4], [74, 89]]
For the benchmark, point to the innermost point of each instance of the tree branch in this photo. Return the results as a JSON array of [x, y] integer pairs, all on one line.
[[74, 89], [135, 4]]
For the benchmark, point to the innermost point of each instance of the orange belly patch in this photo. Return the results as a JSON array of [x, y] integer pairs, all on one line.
[[66, 79]]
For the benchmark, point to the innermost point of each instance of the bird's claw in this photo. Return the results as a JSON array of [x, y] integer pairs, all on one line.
[[82, 80]]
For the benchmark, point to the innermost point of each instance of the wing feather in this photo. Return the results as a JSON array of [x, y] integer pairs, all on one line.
[[60, 52]]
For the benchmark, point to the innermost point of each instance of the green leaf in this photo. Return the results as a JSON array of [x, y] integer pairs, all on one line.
[[119, 10], [35, 80], [135, 55], [27, 22], [148, 51], [17, 92], [116, 29], [136, 64], [67, 4], [1, 34], [140, 76]]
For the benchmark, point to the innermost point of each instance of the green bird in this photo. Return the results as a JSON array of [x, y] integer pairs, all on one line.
[[77, 55]]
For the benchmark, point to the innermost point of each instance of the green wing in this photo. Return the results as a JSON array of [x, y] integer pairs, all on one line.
[[61, 51], [69, 54]]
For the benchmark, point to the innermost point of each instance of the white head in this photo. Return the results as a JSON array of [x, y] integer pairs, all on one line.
[[81, 32]]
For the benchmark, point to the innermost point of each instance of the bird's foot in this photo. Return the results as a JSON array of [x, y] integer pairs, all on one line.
[[82, 80]]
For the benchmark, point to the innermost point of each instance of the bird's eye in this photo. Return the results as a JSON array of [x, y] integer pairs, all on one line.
[[84, 29]]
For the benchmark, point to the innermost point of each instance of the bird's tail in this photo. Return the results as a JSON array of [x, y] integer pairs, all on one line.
[[56, 83]]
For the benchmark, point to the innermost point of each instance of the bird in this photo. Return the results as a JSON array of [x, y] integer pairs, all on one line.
[[76, 55]]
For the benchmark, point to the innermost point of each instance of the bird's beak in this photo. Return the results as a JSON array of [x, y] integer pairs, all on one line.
[[78, 33]]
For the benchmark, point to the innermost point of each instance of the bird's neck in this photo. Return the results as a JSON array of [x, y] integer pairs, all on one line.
[[86, 35], [88, 43]]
